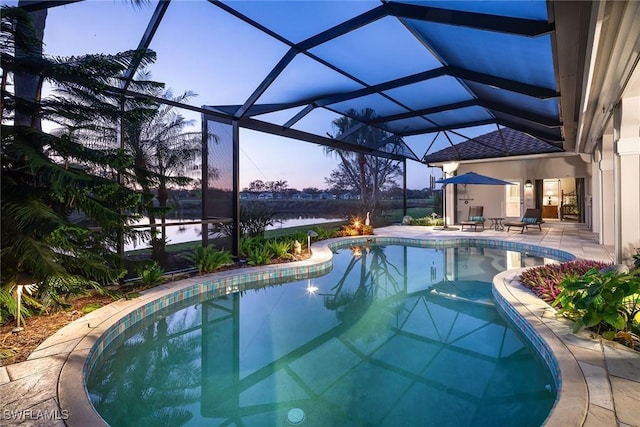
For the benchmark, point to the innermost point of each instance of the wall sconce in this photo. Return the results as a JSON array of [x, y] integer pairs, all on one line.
[[528, 184]]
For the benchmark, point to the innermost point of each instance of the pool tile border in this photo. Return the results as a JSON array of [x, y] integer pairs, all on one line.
[[104, 330]]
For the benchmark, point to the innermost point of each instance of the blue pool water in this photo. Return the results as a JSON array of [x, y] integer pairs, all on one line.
[[392, 336]]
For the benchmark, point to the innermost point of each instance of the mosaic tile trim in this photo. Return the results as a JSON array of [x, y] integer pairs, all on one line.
[[536, 340], [556, 254]]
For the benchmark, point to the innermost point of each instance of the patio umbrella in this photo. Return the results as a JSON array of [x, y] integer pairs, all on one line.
[[467, 178], [472, 178]]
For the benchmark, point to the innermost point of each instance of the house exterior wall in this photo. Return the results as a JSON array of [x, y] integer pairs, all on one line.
[[518, 170], [627, 178], [611, 93], [606, 190], [595, 199]]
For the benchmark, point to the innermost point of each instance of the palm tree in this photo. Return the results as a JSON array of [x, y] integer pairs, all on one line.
[[162, 146], [367, 174]]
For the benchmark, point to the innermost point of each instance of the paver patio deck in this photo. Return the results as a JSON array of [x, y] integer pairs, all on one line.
[[600, 379]]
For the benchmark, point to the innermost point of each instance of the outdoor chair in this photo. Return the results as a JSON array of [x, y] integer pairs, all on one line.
[[530, 217], [476, 218]]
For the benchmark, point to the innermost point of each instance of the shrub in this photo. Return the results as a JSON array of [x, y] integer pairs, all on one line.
[[151, 275], [280, 248], [9, 306], [209, 259], [356, 227], [608, 303], [545, 280], [427, 220], [248, 244], [259, 256], [326, 233], [300, 236]]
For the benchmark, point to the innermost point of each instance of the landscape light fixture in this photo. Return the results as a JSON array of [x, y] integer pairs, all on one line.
[[310, 234]]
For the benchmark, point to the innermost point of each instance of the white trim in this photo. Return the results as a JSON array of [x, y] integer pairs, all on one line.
[[511, 158], [606, 164], [590, 66], [628, 146]]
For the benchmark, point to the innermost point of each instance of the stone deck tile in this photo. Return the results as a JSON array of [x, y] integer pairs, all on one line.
[[598, 385], [30, 367], [600, 417], [626, 397], [620, 362], [4, 376], [30, 390]]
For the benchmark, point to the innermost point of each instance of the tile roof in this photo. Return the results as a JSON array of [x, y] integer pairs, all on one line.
[[500, 143]]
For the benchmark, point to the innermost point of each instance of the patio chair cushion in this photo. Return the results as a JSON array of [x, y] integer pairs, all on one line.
[[476, 218], [530, 220]]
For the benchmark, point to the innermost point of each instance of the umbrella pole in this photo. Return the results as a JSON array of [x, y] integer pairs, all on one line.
[[444, 205]]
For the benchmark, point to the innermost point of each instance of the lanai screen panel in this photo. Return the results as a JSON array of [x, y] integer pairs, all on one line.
[[422, 66], [217, 183]]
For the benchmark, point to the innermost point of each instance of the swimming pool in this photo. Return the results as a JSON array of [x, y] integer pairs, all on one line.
[[410, 347]]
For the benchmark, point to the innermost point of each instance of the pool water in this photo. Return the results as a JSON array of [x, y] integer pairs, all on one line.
[[392, 336]]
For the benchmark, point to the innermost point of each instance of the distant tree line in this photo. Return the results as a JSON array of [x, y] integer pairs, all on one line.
[[281, 189]]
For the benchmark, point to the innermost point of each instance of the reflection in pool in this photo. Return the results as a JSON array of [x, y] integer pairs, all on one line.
[[393, 335]]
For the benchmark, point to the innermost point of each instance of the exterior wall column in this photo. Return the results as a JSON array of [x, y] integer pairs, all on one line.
[[606, 191], [627, 178], [594, 200]]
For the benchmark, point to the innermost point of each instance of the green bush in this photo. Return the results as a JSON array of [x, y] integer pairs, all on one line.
[[280, 248], [209, 259], [9, 305], [427, 220], [301, 237], [608, 303], [151, 275], [545, 280], [324, 233], [356, 227], [259, 256], [248, 244]]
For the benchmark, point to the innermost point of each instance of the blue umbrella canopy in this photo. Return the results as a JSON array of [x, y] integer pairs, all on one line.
[[472, 178]]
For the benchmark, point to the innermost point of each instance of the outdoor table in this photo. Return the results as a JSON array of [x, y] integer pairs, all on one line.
[[496, 224]]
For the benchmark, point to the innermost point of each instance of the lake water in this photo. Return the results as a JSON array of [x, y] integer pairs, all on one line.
[[182, 233]]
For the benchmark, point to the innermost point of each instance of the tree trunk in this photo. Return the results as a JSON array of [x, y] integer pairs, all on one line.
[[363, 183], [26, 84], [163, 196]]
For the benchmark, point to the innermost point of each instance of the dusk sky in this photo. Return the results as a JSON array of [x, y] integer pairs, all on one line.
[[190, 43]]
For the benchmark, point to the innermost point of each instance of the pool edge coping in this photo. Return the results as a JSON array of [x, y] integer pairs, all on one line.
[[71, 389], [571, 407]]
